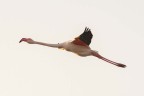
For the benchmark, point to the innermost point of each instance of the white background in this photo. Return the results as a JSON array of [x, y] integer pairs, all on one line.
[[32, 70]]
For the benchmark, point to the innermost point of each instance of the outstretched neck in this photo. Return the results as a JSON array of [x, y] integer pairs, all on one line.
[[49, 45]]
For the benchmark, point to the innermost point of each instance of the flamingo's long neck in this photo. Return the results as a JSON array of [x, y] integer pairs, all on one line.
[[49, 45]]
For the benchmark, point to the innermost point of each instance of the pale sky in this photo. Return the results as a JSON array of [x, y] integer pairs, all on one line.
[[33, 70]]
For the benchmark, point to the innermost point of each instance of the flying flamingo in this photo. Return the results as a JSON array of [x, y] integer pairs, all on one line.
[[80, 46]]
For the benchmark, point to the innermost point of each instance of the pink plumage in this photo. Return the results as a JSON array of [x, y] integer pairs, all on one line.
[[80, 46]]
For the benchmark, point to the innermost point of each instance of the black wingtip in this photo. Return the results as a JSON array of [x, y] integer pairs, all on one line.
[[87, 29]]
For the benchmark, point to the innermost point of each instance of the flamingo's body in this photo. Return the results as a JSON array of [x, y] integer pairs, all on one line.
[[78, 49], [79, 46]]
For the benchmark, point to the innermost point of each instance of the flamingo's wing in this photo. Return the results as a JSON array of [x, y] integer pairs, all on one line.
[[84, 39]]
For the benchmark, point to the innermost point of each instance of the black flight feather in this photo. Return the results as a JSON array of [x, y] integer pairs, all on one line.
[[86, 36]]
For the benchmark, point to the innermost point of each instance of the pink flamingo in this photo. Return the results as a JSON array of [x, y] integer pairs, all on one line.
[[80, 46]]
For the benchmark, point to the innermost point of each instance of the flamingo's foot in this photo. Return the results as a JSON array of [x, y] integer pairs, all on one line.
[[121, 65]]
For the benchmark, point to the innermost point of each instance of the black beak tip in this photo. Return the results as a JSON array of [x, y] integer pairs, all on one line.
[[20, 40]]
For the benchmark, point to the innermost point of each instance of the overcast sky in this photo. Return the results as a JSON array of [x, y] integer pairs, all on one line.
[[33, 70]]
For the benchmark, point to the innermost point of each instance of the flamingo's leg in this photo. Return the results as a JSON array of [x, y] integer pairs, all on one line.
[[109, 61]]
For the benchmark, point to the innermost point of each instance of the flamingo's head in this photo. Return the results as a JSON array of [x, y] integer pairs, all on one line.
[[24, 39]]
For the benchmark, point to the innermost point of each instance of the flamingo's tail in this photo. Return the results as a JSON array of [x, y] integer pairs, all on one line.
[[109, 61]]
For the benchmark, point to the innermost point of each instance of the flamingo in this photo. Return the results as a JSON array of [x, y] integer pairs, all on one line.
[[80, 46]]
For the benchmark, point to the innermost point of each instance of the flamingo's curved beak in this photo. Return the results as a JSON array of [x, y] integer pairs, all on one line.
[[23, 39]]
